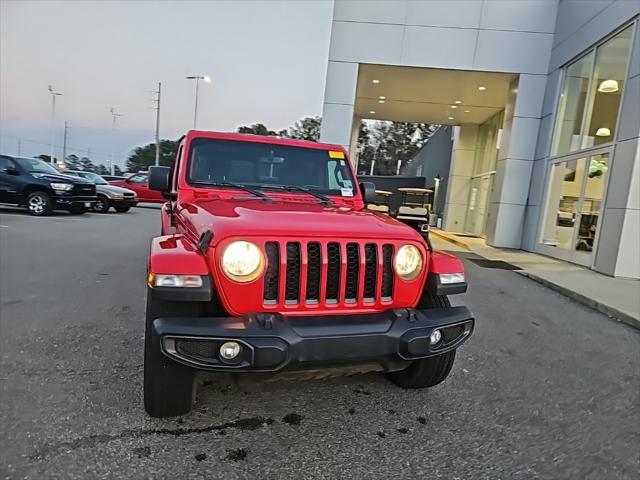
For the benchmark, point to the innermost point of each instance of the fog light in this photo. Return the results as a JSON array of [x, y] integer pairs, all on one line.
[[230, 350], [435, 337]]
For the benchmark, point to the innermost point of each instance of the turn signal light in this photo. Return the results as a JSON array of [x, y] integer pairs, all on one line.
[[169, 280], [449, 278]]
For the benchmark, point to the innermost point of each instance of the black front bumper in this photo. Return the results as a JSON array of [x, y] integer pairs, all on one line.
[[61, 201], [273, 342], [126, 202]]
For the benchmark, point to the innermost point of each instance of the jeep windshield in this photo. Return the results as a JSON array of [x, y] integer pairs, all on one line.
[[268, 166]]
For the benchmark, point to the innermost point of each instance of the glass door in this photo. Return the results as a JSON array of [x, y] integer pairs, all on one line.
[[478, 204], [575, 194]]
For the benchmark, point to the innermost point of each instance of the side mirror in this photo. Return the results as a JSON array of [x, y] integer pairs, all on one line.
[[368, 191], [160, 179], [11, 171]]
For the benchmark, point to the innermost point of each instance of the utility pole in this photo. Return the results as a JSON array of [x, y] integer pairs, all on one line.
[[158, 124], [89, 153], [64, 142], [19, 145], [114, 115], [54, 94]]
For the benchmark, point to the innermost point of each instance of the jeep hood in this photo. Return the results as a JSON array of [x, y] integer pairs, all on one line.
[[294, 219]]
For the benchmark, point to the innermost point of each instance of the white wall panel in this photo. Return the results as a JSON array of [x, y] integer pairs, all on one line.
[[516, 52]]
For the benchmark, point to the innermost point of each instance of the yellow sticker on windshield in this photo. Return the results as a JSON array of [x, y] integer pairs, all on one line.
[[335, 154]]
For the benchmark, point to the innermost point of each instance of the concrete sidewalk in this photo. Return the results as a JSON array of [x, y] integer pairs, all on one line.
[[617, 298]]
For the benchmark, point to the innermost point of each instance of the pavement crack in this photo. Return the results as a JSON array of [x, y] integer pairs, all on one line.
[[90, 441]]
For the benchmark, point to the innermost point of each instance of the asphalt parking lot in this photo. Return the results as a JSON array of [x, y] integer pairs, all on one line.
[[546, 388]]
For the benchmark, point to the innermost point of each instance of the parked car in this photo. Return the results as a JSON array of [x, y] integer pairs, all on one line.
[[121, 199], [139, 183], [110, 178], [269, 261], [35, 184]]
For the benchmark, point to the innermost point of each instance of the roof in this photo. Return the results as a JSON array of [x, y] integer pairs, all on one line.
[[243, 137]]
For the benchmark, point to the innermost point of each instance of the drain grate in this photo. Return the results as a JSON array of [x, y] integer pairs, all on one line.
[[497, 264]]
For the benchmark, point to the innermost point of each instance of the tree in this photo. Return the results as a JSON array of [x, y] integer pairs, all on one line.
[[307, 128], [117, 171], [72, 162], [87, 165], [256, 129], [144, 157], [102, 170]]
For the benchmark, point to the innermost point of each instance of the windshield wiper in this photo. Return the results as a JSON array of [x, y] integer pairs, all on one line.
[[291, 188], [234, 185]]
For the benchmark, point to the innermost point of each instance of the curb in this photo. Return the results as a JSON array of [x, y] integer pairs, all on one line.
[[589, 302], [449, 239]]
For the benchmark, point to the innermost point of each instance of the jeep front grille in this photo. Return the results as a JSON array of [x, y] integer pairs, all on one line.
[[331, 273]]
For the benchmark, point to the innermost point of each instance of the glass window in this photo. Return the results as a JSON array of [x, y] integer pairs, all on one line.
[[487, 144], [34, 165], [591, 94], [606, 88], [571, 109], [138, 178]]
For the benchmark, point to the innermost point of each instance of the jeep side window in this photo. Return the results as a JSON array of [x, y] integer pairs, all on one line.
[[175, 169]]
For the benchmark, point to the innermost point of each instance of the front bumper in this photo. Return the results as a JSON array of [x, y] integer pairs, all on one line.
[[274, 342], [72, 201], [123, 202]]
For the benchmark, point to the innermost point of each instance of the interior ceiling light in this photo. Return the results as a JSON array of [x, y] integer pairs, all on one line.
[[603, 132], [467, 111], [381, 97], [372, 112], [380, 101], [608, 86], [481, 88], [450, 118], [454, 106], [375, 81], [458, 102]]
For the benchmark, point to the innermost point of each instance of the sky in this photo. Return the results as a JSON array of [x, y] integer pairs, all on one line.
[[267, 61]]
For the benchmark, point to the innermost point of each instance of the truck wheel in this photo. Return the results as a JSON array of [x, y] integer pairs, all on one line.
[[431, 371], [168, 386], [39, 204], [122, 208], [101, 205]]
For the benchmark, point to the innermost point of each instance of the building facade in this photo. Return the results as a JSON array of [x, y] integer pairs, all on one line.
[[543, 97]]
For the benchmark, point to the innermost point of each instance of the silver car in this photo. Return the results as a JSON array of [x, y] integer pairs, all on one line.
[[121, 199]]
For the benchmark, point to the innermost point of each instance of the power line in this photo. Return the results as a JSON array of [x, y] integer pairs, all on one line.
[[69, 148]]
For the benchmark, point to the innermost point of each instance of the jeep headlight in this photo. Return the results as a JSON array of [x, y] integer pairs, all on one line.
[[242, 261], [62, 186], [408, 262]]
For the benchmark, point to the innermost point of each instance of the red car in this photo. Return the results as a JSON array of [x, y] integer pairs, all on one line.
[[139, 183], [269, 261]]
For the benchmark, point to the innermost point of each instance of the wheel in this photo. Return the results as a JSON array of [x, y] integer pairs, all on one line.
[[101, 205], [77, 210], [430, 371], [168, 385], [39, 204], [122, 208]]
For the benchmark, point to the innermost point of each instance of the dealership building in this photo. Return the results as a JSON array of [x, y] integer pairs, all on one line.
[[539, 102]]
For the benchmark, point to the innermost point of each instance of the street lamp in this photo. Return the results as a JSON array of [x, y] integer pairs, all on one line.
[[114, 115], [197, 78], [54, 94]]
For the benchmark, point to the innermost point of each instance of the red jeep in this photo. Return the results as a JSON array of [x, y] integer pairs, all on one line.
[[269, 261]]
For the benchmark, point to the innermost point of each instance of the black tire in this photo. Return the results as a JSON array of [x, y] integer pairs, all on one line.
[[77, 210], [39, 204], [101, 205], [427, 372], [168, 386], [122, 208]]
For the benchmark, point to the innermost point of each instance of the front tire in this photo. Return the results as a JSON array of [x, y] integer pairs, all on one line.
[[101, 205], [427, 372], [122, 208], [39, 204], [168, 386]]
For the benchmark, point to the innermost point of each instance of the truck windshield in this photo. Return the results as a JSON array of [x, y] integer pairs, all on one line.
[[264, 165], [94, 177], [33, 165]]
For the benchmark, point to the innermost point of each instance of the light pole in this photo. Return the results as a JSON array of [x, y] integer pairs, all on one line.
[[197, 78], [158, 124], [54, 94], [114, 115]]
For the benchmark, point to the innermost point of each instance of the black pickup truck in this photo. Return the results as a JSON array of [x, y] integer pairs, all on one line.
[[35, 184]]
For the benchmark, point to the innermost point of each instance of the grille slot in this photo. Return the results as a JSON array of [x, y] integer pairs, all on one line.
[[353, 269], [197, 348], [370, 271], [272, 275], [292, 285], [314, 265], [387, 271], [333, 272]]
